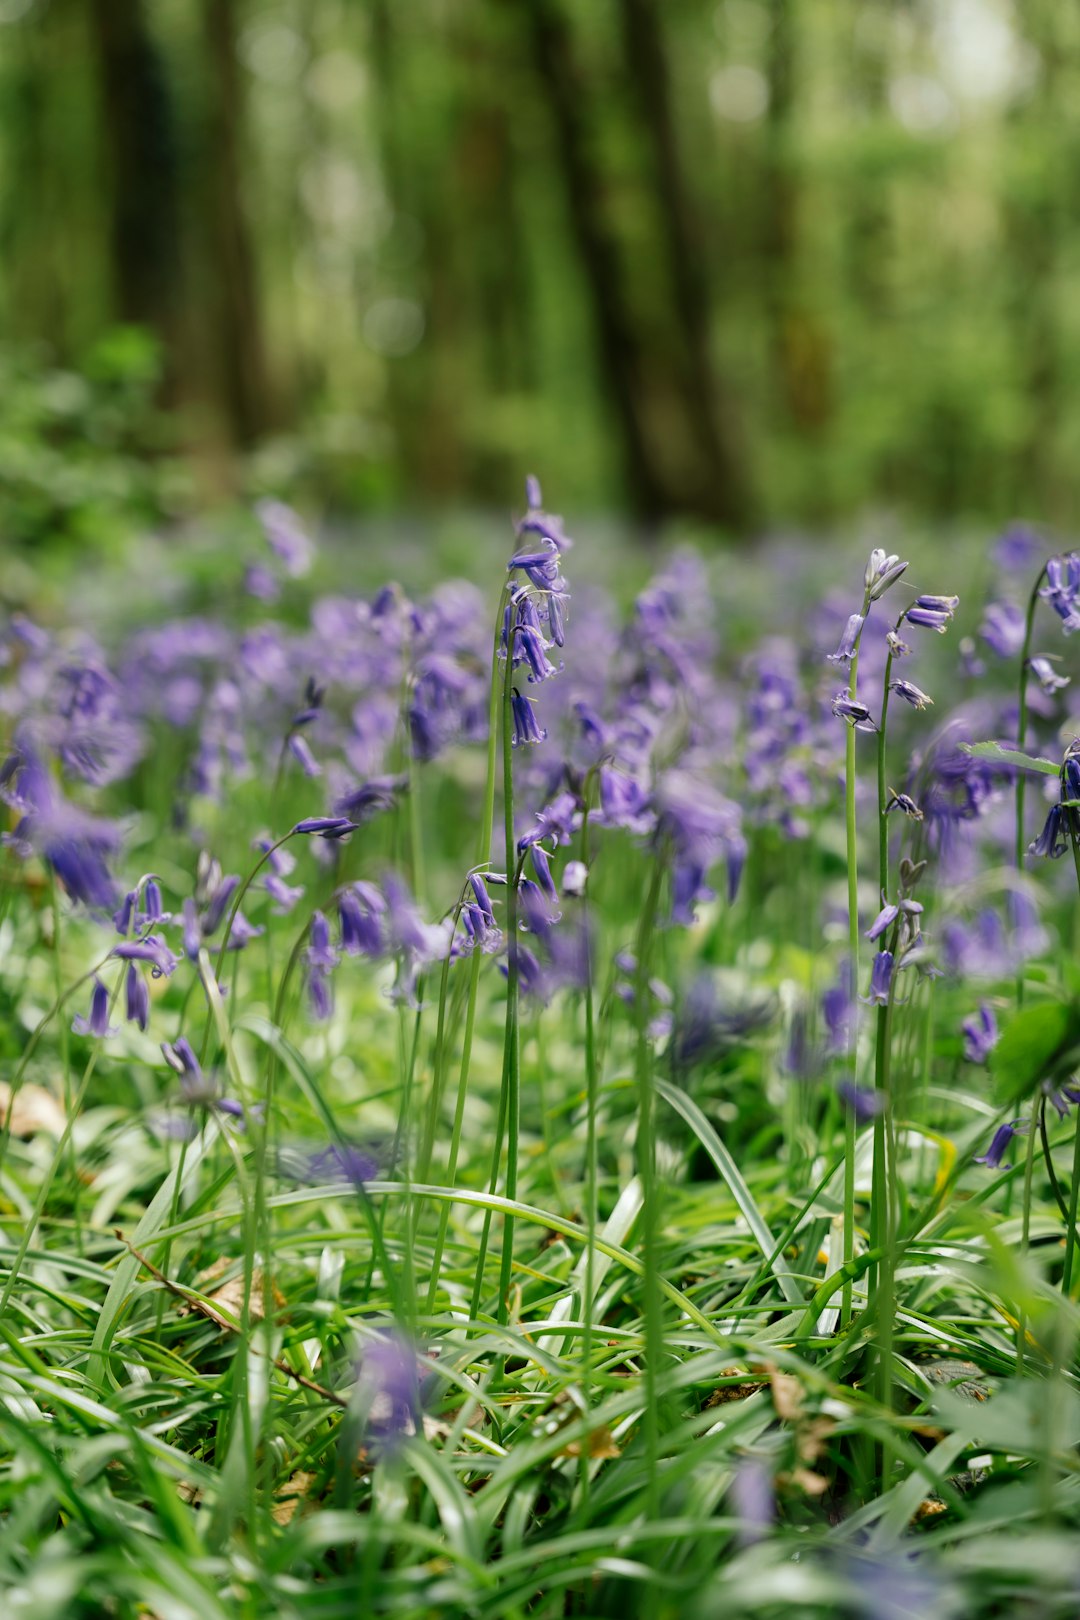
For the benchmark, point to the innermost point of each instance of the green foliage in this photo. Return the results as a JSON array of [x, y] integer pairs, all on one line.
[[1040, 1043]]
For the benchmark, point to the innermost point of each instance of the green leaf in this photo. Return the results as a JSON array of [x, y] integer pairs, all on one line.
[[1011, 756], [1039, 1044], [741, 1193]]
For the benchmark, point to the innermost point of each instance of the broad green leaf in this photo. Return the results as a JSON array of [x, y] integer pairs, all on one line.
[[1011, 756], [1039, 1044]]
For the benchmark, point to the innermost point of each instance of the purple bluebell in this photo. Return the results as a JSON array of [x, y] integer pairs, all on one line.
[[715, 1015], [1017, 548], [124, 915], [999, 1142], [532, 646], [556, 619], [260, 583], [884, 920], [912, 694], [153, 949], [905, 804], [341, 1161], [217, 903], [75, 844], [1052, 842], [882, 571], [97, 1024], [837, 1010], [526, 729], [324, 827], [1047, 676], [864, 1102], [286, 537], [284, 895], [753, 1498], [896, 645], [929, 618], [880, 980], [136, 998], [1062, 589], [980, 1034], [854, 712], [299, 749], [558, 820], [533, 496], [370, 798], [1003, 628], [387, 1393], [849, 640], [360, 912], [192, 934], [537, 913], [542, 868], [575, 879], [181, 1059]]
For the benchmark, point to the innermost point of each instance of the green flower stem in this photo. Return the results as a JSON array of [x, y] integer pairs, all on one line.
[[1074, 1191], [498, 690], [1021, 738], [646, 1156], [592, 1103], [512, 1047], [851, 830]]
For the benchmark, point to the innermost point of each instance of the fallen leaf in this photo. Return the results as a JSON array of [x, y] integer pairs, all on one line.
[[230, 1296], [601, 1445], [786, 1393], [806, 1480], [32, 1109], [290, 1497]]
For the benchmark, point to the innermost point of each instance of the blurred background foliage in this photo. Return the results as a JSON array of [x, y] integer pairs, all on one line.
[[744, 264]]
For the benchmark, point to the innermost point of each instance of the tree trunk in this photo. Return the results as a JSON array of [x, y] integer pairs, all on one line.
[[235, 312], [141, 159], [617, 348], [723, 492]]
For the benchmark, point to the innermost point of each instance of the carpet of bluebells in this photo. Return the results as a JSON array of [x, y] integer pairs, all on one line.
[[533, 1097]]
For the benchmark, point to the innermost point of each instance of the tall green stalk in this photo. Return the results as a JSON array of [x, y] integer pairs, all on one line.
[[646, 1155], [851, 829]]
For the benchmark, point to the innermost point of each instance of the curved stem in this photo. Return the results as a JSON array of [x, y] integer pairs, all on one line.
[[851, 829]]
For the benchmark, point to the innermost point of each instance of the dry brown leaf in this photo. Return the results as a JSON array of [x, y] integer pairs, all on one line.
[[813, 1484], [32, 1109], [786, 1393], [601, 1445], [230, 1296], [929, 1509], [291, 1496], [812, 1436]]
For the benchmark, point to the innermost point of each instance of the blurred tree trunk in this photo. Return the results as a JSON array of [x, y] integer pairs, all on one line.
[[723, 491], [800, 346], [234, 312], [140, 149], [869, 212], [617, 346]]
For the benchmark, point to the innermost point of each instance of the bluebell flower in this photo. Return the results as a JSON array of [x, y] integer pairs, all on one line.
[[181, 1059], [286, 536], [865, 1103], [387, 1393], [854, 712], [76, 845], [905, 804], [137, 998], [981, 1034], [298, 748], [217, 902], [884, 920], [837, 1009], [152, 949], [1062, 589], [880, 980], [342, 1161], [526, 729], [1052, 842], [360, 911], [1003, 628], [325, 827], [98, 1022], [1017, 548], [370, 799], [753, 1498], [999, 1142], [284, 895], [849, 640], [124, 915], [532, 493], [882, 571], [912, 694], [558, 821], [1047, 676]]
